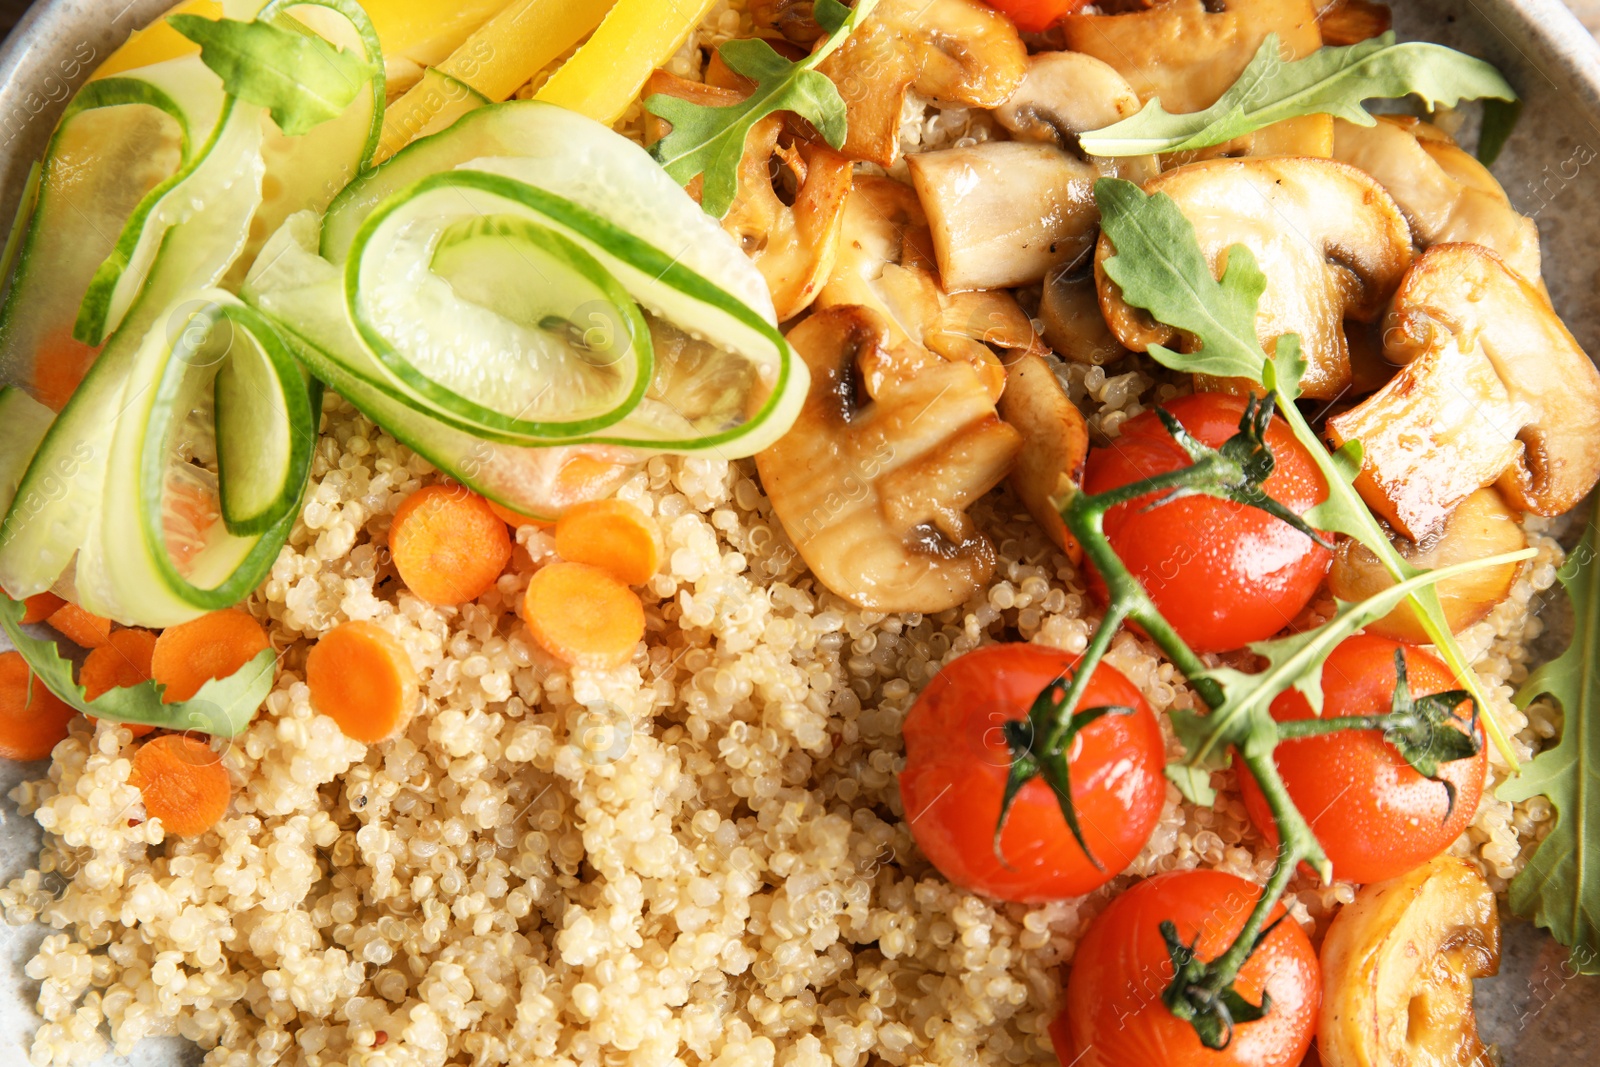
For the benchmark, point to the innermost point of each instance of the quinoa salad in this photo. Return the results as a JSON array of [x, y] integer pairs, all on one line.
[[475, 819]]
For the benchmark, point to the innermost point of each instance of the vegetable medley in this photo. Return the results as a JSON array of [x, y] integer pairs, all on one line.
[[861, 260]]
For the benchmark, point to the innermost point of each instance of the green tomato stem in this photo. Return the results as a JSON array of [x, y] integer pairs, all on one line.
[[1424, 602]]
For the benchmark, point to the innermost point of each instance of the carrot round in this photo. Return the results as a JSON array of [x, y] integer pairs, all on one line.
[[191, 654], [582, 615], [362, 678], [122, 662], [80, 627], [40, 607], [448, 544], [32, 719], [183, 782], [612, 535]]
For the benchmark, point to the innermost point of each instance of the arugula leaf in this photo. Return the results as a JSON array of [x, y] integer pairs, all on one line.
[[710, 140], [1330, 81], [1159, 266], [1499, 119], [223, 706], [1293, 662], [300, 78], [1560, 888]]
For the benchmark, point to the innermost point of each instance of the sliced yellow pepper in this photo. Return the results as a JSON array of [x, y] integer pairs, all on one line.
[[158, 42], [606, 74], [491, 65]]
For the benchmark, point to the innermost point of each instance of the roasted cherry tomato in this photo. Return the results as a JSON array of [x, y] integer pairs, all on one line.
[[1114, 1015], [1223, 574], [957, 759], [1376, 817], [1036, 16]]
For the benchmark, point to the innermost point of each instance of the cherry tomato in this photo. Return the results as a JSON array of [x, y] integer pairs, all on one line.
[[956, 765], [1223, 574], [1114, 1015], [1376, 817], [1036, 16]]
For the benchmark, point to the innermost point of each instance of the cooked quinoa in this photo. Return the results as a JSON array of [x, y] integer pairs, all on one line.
[[698, 858]]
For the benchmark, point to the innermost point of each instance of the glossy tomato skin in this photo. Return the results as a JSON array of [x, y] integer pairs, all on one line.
[[956, 765], [1376, 817], [1036, 16], [1223, 574], [1114, 1015]]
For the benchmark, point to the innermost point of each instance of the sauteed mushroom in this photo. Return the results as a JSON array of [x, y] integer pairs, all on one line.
[[954, 52], [873, 481], [1446, 194], [1494, 390], [794, 244], [1187, 52], [1055, 443], [1398, 965], [884, 264], [1004, 212], [1330, 241]]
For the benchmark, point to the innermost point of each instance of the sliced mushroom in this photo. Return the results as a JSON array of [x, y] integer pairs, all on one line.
[[1069, 308], [1330, 241], [1055, 443], [1307, 135], [1398, 965], [1446, 195], [873, 481], [791, 18], [884, 263], [1347, 22], [954, 52], [1494, 390], [1003, 213], [1482, 526], [792, 244], [1067, 94], [1188, 52]]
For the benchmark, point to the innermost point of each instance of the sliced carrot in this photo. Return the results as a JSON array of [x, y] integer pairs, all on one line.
[[40, 607], [362, 678], [514, 519], [80, 627], [183, 782], [122, 662], [612, 535], [582, 615], [62, 363], [448, 544], [33, 720], [189, 655]]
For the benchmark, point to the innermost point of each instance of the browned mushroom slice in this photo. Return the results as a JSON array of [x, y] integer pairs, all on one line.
[[1494, 391], [873, 481], [791, 18], [792, 244], [1482, 526], [1347, 22], [1069, 308], [1307, 135], [1003, 213], [954, 52], [1446, 195], [884, 264], [1188, 52], [1055, 443], [1067, 94], [1330, 241]]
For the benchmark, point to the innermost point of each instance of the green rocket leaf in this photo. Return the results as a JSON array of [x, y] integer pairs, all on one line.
[[710, 140], [223, 706], [1330, 81], [1560, 887], [301, 79]]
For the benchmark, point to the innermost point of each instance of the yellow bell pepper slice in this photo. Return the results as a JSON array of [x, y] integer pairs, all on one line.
[[491, 65], [422, 31], [606, 74]]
